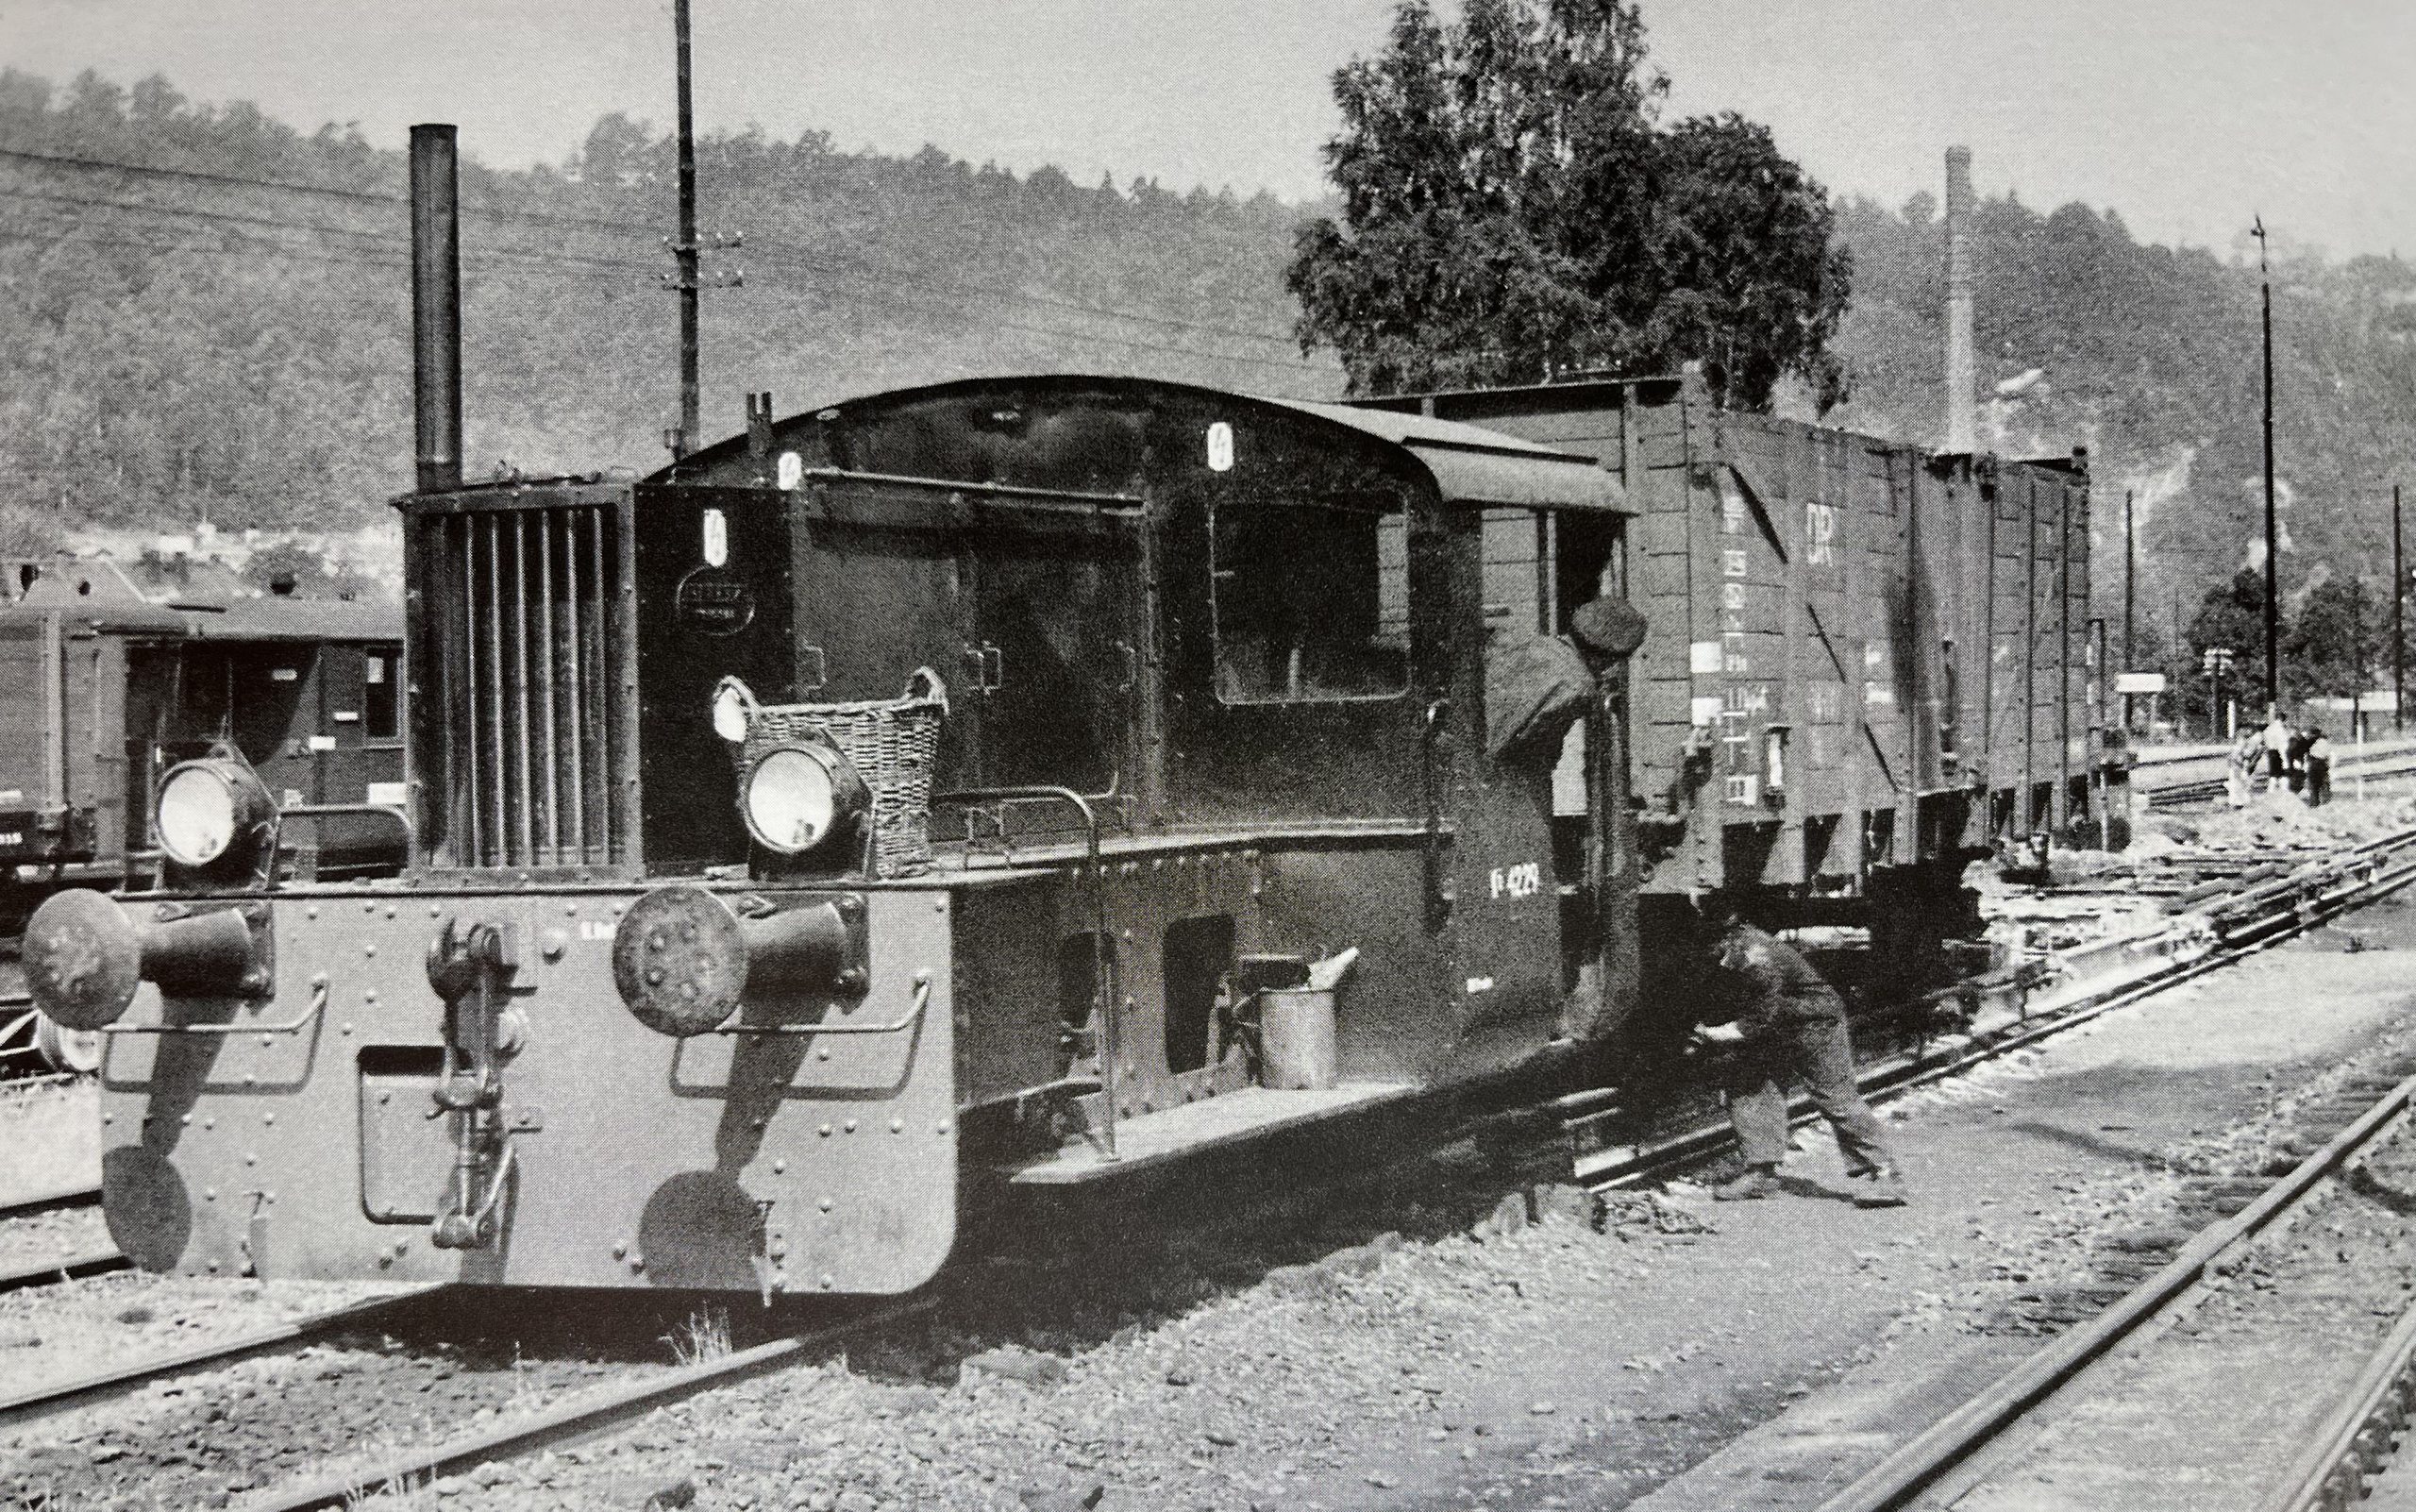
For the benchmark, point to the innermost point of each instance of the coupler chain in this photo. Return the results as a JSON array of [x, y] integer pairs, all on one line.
[[472, 970]]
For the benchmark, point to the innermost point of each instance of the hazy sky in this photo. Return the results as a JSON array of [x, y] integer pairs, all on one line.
[[2186, 115]]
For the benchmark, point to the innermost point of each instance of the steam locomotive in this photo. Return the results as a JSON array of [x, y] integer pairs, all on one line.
[[1028, 783]]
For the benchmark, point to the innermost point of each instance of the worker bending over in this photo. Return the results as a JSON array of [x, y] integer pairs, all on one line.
[[1790, 1025]]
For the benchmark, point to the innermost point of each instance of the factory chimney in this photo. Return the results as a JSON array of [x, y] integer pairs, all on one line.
[[436, 308], [1962, 379]]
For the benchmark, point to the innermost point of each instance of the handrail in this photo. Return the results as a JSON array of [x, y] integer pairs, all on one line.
[[829, 476], [292, 1026], [1102, 959], [384, 810], [1435, 887], [912, 1016]]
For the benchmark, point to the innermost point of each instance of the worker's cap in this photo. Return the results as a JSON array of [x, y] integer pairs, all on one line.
[[1607, 627]]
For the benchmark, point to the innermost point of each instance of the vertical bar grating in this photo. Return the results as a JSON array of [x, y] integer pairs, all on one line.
[[600, 690], [578, 690], [548, 640], [522, 728], [498, 845], [473, 798], [526, 668]]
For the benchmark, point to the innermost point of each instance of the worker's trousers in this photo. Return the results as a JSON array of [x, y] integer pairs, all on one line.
[[1817, 1053]]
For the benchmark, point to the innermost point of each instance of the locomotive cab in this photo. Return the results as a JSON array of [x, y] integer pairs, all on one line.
[[1216, 712]]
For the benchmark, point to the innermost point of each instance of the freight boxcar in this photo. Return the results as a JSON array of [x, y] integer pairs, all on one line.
[[1868, 665]]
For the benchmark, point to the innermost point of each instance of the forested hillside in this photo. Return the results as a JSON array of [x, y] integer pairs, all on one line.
[[188, 339], [2150, 357]]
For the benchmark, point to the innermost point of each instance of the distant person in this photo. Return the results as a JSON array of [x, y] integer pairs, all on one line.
[[2318, 768], [1790, 1025], [2296, 759], [2240, 773], [2277, 748]]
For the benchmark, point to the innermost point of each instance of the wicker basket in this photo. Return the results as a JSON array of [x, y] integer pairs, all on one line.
[[890, 742]]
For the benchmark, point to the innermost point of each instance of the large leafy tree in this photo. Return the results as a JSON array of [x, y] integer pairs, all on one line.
[[2231, 617], [2335, 641], [1512, 208]]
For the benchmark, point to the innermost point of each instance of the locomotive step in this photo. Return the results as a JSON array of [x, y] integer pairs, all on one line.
[[1253, 1113]]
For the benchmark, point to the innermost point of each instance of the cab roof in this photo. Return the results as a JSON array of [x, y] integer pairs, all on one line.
[[1468, 464]]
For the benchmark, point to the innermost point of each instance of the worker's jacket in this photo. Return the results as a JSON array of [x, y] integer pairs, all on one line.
[[1770, 984]]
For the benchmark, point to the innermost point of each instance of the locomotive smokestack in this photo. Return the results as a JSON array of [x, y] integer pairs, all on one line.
[[1962, 379], [436, 307]]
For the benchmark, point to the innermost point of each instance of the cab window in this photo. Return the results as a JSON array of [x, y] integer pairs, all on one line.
[[1310, 601]]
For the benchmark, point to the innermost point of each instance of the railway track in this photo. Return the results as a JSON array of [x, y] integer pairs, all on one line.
[[2272, 910], [93, 1261], [78, 1194], [589, 1414], [2361, 1439], [21, 1406], [97, 1261], [1916, 1474], [2219, 930], [2377, 766], [2363, 876]]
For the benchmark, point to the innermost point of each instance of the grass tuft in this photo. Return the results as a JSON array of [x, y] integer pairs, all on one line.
[[703, 1337]]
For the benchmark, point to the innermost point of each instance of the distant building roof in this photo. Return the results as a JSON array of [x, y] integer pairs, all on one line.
[[201, 597]]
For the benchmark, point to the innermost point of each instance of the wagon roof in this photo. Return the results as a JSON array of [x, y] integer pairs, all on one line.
[[1469, 463], [254, 621], [301, 619]]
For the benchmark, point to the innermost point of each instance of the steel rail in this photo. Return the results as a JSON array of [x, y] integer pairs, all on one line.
[[82, 1193], [2374, 768], [41, 1401], [63, 1267], [1893, 1078], [571, 1421], [1903, 1474], [2355, 1438]]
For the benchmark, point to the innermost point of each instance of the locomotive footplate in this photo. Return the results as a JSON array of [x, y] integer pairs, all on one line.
[[1161, 1138]]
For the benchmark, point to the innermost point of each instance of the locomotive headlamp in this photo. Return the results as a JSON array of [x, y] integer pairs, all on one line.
[[795, 797], [211, 808]]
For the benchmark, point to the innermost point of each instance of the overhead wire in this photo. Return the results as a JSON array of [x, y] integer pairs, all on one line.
[[601, 266], [621, 227]]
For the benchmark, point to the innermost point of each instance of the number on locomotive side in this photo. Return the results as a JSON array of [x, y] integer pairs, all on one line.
[[1524, 880]]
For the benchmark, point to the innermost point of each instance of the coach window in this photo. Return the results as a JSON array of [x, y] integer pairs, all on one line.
[[380, 685], [1310, 601]]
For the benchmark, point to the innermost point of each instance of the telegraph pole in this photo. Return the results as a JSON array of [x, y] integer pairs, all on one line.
[[2398, 626], [2130, 601], [2265, 277], [2130, 582], [684, 251]]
